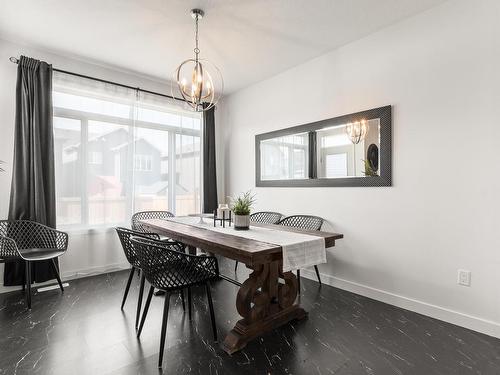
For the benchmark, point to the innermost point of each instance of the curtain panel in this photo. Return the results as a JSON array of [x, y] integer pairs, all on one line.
[[209, 162], [33, 183]]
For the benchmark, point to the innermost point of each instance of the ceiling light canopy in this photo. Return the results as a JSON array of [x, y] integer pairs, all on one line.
[[199, 81]]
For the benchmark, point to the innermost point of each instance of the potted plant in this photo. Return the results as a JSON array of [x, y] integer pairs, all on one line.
[[369, 171], [241, 207]]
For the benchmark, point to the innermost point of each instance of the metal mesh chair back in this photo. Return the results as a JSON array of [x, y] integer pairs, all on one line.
[[125, 236], [167, 269], [145, 215], [8, 249], [307, 222], [266, 217], [25, 234]]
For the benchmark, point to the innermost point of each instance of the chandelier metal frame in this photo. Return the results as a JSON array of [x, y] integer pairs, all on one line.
[[203, 95]]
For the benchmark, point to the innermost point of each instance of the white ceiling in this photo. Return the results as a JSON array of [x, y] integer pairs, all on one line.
[[249, 40]]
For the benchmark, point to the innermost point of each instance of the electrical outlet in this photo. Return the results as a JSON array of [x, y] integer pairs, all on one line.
[[463, 277]]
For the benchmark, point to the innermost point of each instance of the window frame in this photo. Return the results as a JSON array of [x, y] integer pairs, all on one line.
[[172, 130]]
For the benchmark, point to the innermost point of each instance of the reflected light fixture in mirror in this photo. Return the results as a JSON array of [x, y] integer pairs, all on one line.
[[356, 131]]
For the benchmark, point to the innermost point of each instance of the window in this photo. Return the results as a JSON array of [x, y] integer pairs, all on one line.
[[336, 165], [118, 152], [337, 156], [285, 157], [95, 157], [143, 163]]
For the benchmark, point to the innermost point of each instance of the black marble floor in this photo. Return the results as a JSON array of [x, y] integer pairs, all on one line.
[[83, 331]]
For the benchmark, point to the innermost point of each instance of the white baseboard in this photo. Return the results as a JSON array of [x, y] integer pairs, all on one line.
[[75, 274], [475, 323], [91, 271]]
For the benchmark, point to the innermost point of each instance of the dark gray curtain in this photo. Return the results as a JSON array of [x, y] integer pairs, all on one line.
[[209, 170], [33, 183]]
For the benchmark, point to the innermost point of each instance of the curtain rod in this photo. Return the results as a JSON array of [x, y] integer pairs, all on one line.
[[15, 60]]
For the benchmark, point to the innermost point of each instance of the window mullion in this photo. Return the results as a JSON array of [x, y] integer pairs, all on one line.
[[131, 155], [171, 172], [84, 167]]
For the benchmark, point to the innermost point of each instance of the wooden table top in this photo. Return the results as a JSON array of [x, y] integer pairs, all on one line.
[[229, 245]]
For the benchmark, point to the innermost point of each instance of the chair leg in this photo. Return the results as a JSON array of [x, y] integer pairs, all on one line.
[[146, 308], [130, 277], [211, 306], [28, 284], [139, 302], [298, 279], [183, 302], [189, 303], [317, 274], [236, 266], [56, 272], [164, 328], [24, 278]]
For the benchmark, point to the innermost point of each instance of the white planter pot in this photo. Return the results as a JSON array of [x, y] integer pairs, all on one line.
[[241, 222]]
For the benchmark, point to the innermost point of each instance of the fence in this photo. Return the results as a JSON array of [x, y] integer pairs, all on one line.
[[114, 210]]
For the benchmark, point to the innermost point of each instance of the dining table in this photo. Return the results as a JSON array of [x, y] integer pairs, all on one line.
[[267, 299]]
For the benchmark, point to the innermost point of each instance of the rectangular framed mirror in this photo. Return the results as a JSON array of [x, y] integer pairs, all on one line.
[[350, 150]]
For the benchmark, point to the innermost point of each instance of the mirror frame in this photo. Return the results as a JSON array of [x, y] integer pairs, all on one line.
[[385, 161]]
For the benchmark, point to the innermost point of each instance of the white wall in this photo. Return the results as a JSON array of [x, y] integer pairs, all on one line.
[[88, 252], [403, 244]]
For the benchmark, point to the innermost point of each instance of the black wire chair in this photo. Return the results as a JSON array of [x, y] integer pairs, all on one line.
[[266, 217], [125, 236], [30, 242], [145, 215], [170, 270], [307, 222]]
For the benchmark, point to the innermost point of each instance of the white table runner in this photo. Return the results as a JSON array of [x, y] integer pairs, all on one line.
[[299, 250]]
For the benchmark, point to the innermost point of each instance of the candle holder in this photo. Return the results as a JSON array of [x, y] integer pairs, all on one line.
[[222, 220]]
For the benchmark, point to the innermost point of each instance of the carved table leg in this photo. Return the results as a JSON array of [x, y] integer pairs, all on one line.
[[264, 303]]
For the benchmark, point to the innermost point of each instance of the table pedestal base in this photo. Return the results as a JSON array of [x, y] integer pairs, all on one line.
[[266, 300], [241, 334]]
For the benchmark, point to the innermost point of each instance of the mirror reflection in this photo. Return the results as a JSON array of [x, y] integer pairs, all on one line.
[[349, 150], [285, 158]]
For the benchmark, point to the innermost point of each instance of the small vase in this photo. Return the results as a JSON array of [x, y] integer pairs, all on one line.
[[241, 222]]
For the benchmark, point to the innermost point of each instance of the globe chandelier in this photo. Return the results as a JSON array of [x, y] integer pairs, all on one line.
[[198, 81]]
